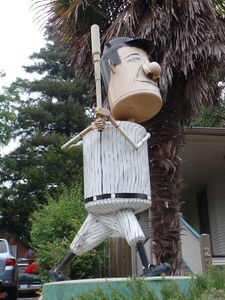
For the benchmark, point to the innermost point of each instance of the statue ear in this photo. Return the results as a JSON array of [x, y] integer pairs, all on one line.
[[111, 66]]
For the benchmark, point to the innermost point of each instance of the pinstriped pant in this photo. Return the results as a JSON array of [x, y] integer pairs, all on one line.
[[96, 228]]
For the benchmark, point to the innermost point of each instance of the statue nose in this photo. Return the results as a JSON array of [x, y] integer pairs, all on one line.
[[152, 70]]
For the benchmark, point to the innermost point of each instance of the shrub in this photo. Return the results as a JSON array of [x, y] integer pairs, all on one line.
[[207, 286], [208, 283], [136, 288], [54, 226]]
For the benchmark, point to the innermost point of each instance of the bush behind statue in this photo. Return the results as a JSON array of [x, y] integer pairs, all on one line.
[[54, 226]]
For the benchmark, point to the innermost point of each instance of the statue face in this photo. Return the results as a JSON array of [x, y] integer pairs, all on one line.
[[132, 61], [132, 95]]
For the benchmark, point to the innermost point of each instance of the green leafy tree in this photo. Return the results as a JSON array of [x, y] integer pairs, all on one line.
[[188, 38], [54, 110], [211, 117], [207, 117], [61, 218], [8, 100]]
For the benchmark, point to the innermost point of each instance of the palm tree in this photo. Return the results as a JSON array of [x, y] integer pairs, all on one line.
[[189, 44]]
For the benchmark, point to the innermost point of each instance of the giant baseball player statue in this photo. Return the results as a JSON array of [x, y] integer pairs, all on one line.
[[115, 156]]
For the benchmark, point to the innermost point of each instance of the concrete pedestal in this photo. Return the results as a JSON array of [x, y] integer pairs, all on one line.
[[66, 290]]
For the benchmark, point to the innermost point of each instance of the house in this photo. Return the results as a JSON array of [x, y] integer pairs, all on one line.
[[203, 212], [204, 196]]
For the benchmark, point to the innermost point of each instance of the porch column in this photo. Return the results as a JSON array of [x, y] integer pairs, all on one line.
[[216, 207]]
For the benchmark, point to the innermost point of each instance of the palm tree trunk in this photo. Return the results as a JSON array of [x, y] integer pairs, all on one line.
[[166, 183]]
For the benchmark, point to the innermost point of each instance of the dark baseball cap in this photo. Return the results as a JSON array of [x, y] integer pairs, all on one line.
[[144, 44]]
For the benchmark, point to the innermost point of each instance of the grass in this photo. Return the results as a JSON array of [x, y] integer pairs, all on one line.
[[207, 286]]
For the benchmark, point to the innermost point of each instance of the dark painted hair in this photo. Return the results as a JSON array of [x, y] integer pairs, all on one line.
[[110, 52]]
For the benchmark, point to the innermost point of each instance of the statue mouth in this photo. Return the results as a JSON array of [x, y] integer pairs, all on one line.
[[147, 81]]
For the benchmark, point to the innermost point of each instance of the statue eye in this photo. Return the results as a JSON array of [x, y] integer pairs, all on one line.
[[134, 59]]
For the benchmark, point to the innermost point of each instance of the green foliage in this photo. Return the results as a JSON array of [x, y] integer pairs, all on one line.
[[171, 291], [50, 111], [8, 99], [220, 6], [32, 171], [135, 288], [139, 290], [51, 60], [213, 294], [207, 286], [54, 226], [57, 102], [207, 117], [212, 116], [208, 282]]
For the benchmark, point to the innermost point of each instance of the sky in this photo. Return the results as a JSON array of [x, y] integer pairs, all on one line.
[[20, 36]]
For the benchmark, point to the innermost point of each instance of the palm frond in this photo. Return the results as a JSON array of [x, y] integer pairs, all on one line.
[[188, 35]]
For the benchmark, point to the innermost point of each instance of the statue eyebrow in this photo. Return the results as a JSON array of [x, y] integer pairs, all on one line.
[[133, 54]]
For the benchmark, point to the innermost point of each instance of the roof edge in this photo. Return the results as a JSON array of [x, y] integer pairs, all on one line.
[[215, 131]]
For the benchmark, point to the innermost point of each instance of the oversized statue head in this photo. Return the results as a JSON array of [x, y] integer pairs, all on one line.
[[130, 79]]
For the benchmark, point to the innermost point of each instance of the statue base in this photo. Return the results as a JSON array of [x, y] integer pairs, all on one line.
[[66, 290]]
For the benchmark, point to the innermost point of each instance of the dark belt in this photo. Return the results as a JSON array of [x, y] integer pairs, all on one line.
[[118, 195]]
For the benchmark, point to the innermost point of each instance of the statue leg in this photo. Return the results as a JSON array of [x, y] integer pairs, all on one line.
[[125, 223], [151, 270], [56, 274], [91, 233], [143, 255]]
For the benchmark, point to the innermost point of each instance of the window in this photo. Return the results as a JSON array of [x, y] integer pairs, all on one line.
[[3, 247]]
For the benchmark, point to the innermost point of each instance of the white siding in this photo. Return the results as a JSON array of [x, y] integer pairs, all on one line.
[[216, 205]]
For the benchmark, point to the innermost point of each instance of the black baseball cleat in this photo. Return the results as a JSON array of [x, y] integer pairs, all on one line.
[[156, 270], [55, 276]]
